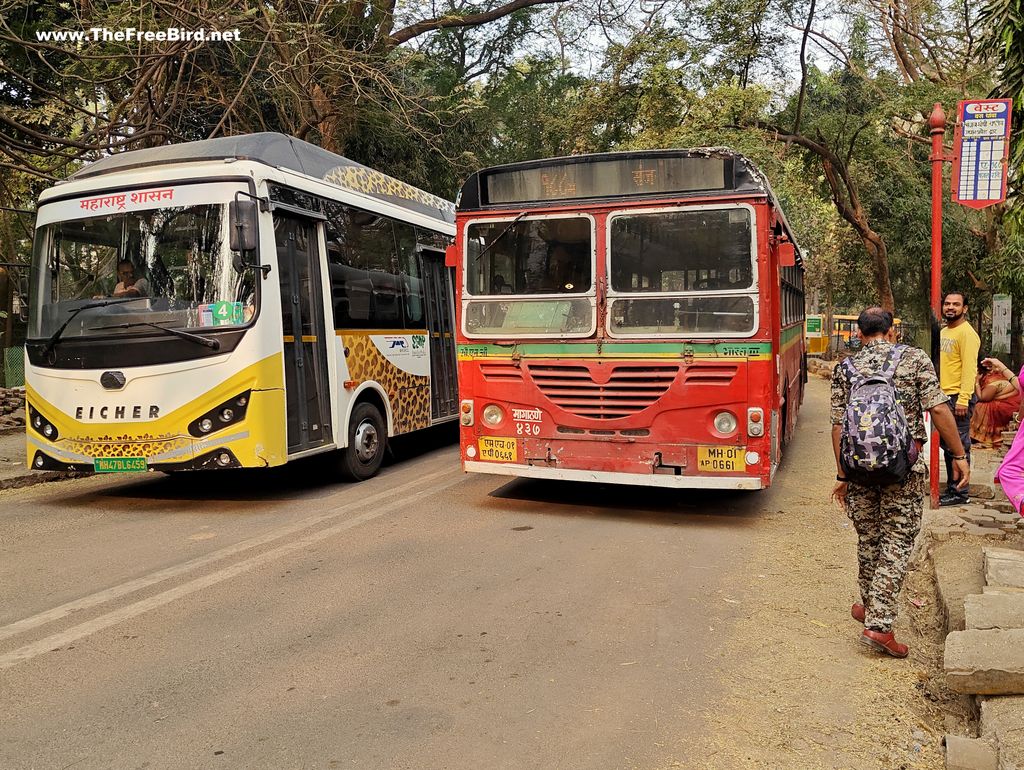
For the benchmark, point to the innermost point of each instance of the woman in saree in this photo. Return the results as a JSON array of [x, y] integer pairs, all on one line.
[[1010, 474], [998, 394]]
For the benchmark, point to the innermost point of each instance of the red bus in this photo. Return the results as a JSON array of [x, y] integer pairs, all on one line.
[[629, 317]]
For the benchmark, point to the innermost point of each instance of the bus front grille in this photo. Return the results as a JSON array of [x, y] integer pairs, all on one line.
[[601, 394]]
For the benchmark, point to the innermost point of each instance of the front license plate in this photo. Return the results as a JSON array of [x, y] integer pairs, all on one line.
[[720, 459], [119, 464], [501, 450]]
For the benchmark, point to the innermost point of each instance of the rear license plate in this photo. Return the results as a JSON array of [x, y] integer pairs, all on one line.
[[720, 459], [119, 464], [502, 450]]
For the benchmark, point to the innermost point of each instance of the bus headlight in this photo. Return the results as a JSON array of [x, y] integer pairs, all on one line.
[[228, 413], [493, 414], [41, 424], [725, 423]]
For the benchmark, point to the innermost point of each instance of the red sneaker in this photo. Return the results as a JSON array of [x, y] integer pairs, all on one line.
[[857, 611], [884, 643]]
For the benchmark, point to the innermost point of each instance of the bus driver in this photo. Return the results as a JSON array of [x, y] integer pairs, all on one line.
[[128, 285]]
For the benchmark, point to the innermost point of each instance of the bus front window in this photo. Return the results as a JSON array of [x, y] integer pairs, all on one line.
[[537, 274], [171, 265], [683, 272]]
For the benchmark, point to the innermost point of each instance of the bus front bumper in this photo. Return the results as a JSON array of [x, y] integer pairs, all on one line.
[[610, 477]]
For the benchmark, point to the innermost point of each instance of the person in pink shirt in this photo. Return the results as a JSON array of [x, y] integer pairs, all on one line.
[[1010, 474]]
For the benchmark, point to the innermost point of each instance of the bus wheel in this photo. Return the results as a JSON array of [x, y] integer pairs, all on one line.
[[367, 439]]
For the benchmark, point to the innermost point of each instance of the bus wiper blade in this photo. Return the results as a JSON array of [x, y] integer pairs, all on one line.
[[213, 344], [56, 335], [501, 235]]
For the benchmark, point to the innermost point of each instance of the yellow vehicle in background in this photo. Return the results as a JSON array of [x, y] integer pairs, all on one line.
[[844, 333]]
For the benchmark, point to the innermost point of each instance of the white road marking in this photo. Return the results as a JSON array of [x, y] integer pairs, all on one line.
[[114, 617], [159, 576]]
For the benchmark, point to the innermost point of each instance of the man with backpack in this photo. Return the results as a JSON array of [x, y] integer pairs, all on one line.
[[879, 397]]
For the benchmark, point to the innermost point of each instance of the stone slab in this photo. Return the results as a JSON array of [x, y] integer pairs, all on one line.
[[1002, 506], [1002, 722], [985, 662], [994, 610], [970, 754], [1001, 590], [1004, 567], [958, 573]]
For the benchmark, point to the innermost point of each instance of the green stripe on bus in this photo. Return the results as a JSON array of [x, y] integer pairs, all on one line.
[[618, 350]]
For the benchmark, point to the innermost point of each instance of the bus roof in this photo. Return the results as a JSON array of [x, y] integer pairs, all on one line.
[[286, 152], [692, 172]]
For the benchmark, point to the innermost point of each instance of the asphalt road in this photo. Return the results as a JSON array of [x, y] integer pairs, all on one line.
[[423, 619]]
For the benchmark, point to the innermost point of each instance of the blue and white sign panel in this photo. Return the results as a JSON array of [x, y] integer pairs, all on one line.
[[980, 150]]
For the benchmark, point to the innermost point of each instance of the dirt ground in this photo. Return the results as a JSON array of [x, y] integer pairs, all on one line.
[[803, 692]]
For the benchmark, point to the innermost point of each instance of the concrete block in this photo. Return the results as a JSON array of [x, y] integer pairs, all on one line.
[[1002, 722], [985, 662], [1004, 567], [1005, 610], [958, 573], [992, 533], [1002, 506], [981, 492], [970, 754], [978, 517]]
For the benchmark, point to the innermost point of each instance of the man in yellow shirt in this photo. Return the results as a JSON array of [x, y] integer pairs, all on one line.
[[958, 367]]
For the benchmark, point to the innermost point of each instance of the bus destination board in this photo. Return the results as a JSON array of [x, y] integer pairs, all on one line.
[[608, 178]]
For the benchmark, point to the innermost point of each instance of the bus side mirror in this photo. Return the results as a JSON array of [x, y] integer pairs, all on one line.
[[787, 254], [451, 256], [242, 222]]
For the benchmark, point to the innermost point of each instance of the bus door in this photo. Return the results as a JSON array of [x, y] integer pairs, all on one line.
[[437, 291], [302, 316]]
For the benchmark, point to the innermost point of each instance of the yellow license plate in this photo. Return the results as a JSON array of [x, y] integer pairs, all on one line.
[[720, 459], [501, 450]]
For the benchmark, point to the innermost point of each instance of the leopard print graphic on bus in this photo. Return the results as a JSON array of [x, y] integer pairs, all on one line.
[[366, 180], [127, 446], [409, 394]]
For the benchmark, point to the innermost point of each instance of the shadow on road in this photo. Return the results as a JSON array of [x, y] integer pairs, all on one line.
[[313, 476], [636, 503]]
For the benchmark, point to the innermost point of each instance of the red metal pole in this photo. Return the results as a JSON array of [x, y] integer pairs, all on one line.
[[937, 124]]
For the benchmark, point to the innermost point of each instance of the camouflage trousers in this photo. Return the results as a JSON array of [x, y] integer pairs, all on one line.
[[887, 520]]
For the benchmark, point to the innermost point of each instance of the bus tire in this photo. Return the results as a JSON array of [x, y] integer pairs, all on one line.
[[367, 441]]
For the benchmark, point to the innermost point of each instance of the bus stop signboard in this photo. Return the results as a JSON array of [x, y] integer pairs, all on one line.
[[980, 151]]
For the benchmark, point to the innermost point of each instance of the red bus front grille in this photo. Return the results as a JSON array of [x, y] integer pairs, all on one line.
[[629, 389], [501, 373]]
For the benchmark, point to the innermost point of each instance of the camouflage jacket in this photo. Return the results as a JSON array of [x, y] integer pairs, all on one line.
[[917, 387]]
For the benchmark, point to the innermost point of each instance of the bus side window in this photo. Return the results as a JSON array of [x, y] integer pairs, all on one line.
[[362, 255], [409, 276]]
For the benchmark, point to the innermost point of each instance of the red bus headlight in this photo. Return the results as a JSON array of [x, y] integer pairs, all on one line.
[[493, 414], [725, 423]]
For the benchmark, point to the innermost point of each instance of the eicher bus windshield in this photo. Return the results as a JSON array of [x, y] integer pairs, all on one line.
[[544, 265], [171, 265]]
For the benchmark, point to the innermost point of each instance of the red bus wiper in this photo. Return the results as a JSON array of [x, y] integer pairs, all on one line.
[[501, 235]]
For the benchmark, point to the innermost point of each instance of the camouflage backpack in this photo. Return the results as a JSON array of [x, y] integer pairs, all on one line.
[[875, 446]]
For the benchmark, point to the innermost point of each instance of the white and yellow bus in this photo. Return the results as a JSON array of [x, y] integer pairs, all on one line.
[[234, 303]]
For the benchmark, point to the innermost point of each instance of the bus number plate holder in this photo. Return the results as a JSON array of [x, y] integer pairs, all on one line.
[[720, 459], [119, 464], [498, 449]]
